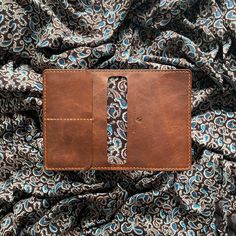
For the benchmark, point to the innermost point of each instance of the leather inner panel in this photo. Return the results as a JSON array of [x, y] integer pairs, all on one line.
[[158, 120], [68, 98]]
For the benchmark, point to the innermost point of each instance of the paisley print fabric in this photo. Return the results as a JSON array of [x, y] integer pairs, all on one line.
[[199, 35], [117, 107]]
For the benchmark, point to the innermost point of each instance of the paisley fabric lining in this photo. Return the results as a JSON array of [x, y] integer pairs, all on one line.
[[117, 123]]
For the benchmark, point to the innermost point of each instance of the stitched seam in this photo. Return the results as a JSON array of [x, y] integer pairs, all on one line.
[[102, 70], [189, 121], [119, 168], [44, 118], [89, 119], [131, 70], [92, 141]]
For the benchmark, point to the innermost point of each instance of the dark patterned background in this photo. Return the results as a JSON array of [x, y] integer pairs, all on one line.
[[164, 34]]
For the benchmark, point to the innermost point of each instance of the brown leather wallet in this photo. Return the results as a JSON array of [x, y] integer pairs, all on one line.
[[144, 126]]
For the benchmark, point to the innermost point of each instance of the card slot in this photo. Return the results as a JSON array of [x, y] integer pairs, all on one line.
[[70, 144]]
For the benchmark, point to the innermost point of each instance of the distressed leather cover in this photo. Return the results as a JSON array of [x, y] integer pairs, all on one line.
[[75, 119]]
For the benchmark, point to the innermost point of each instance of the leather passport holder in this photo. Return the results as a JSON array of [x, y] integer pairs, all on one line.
[[117, 119]]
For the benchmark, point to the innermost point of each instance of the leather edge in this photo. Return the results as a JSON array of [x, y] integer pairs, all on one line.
[[44, 121]]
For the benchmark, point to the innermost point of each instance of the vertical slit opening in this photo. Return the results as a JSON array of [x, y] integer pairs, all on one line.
[[117, 119]]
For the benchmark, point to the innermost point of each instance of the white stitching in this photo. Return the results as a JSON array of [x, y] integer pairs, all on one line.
[[69, 119]]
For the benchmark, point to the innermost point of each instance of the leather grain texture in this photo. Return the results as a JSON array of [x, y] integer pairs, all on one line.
[[75, 119]]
